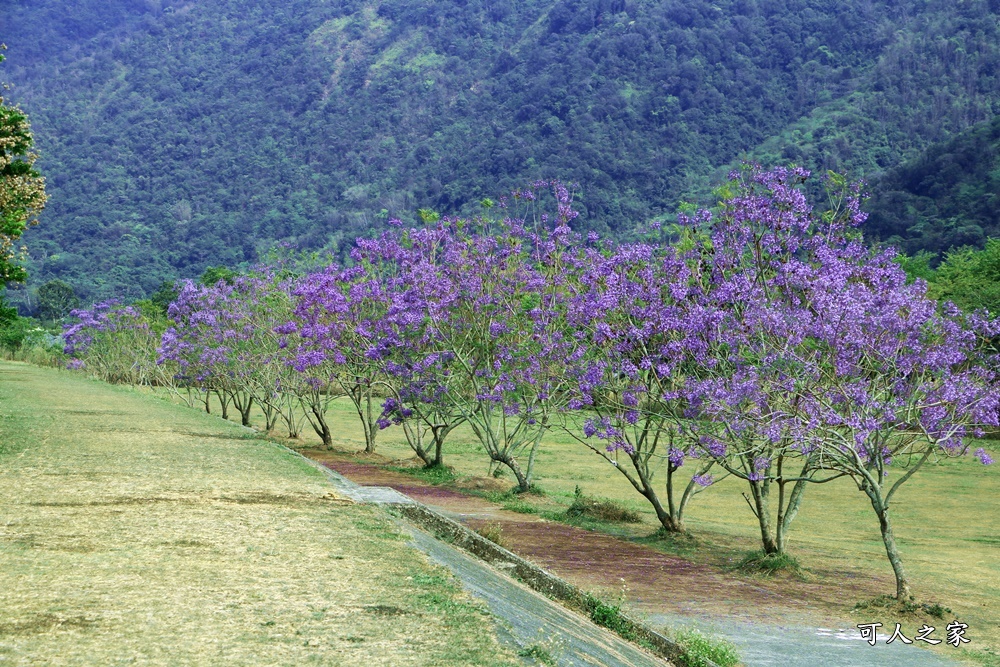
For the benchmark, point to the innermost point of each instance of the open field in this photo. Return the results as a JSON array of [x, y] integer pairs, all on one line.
[[947, 521], [136, 531]]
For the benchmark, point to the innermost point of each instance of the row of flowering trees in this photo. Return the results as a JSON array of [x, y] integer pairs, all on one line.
[[761, 341]]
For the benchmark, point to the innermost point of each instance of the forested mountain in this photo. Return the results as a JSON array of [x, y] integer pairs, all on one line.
[[178, 134], [948, 197]]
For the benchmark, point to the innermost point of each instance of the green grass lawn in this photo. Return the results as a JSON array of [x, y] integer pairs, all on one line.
[[137, 531], [946, 519]]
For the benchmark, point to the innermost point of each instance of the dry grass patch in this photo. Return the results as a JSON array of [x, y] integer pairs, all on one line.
[[136, 531]]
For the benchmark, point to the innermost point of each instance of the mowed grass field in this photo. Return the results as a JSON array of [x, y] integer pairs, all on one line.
[[137, 531], [946, 521]]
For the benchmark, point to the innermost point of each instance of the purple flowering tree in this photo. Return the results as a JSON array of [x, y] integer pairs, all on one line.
[[213, 341], [223, 340], [185, 344], [419, 408], [311, 385], [830, 361], [115, 343], [743, 403], [261, 302], [902, 384], [416, 367], [341, 342], [645, 323], [492, 337]]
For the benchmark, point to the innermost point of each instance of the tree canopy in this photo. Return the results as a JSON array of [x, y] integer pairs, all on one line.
[[22, 192]]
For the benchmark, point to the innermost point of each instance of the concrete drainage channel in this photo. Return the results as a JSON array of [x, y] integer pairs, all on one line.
[[522, 595], [582, 641]]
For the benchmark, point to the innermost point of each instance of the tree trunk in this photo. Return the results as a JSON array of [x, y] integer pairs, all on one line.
[[289, 418], [531, 459], [669, 523], [438, 453], [224, 402], [523, 481], [439, 433], [424, 456], [361, 396], [762, 508], [322, 429], [370, 431], [270, 416], [317, 419], [787, 514], [690, 491], [675, 511], [371, 424], [415, 438], [245, 411], [243, 403], [644, 486], [895, 560]]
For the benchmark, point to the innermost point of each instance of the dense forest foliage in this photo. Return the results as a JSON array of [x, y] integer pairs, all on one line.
[[177, 135], [946, 198]]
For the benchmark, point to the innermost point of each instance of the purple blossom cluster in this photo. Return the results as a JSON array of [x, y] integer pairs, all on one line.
[[112, 341], [224, 338], [106, 317]]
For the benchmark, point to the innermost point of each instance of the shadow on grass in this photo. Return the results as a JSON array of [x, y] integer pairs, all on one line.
[[677, 544]]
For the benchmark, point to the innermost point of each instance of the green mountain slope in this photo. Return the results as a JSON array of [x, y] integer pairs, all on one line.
[[179, 134], [946, 198]]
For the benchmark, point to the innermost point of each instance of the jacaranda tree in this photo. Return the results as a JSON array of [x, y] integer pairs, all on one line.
[[491, 337], [644, 320], [744, 400], [416, 367], [223, 340], [115, 343], [338, 323], [832, 360]]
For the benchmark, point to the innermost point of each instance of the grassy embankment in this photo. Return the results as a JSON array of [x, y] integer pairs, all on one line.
[[947, 523], [136, 531]]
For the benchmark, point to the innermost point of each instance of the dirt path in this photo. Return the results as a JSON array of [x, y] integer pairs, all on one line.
[[592, 560], [775, 622]]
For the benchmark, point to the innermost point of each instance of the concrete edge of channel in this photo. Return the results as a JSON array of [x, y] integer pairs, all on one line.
[[531, 575]]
